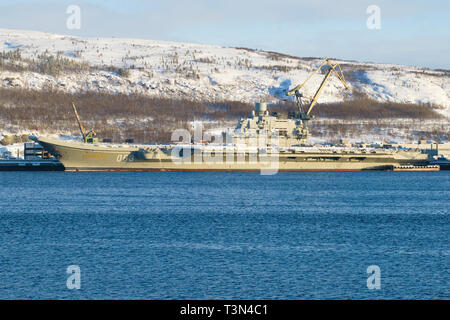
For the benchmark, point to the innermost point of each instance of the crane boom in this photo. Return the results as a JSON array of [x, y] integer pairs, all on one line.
[[297, 88], [79, 121], [318, 92]]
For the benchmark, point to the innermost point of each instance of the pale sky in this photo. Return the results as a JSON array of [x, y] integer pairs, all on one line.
[[412, 32]]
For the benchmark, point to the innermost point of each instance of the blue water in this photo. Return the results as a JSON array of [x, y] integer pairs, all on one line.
[[225, 235]]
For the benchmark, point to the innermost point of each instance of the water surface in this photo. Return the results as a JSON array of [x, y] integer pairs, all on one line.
[[225, 235]]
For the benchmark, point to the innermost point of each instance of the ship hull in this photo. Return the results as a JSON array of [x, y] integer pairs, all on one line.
[[29, 165], [87, 157]]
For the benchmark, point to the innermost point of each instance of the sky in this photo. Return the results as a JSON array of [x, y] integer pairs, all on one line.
[[411, 32]]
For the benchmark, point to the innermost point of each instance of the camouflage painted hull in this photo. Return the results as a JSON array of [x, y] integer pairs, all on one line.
[[77, 156]]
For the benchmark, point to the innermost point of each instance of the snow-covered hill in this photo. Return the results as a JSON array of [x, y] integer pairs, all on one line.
[[207, 72]]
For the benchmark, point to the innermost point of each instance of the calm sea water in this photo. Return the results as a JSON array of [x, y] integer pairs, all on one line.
[[225, 235]]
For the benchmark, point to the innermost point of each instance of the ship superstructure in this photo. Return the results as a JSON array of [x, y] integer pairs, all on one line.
[[262, 125]]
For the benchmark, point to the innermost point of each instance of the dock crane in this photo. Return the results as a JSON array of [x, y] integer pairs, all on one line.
[[91, 136], [303, 112]]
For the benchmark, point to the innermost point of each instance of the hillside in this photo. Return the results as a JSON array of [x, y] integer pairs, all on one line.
[[198, 72], [144, 89]]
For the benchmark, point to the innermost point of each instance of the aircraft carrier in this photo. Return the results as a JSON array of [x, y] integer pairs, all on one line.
[[266, 142], [260, 142]]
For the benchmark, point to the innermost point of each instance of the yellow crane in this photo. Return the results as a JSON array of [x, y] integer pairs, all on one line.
[[302, 112], [89, 137]]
